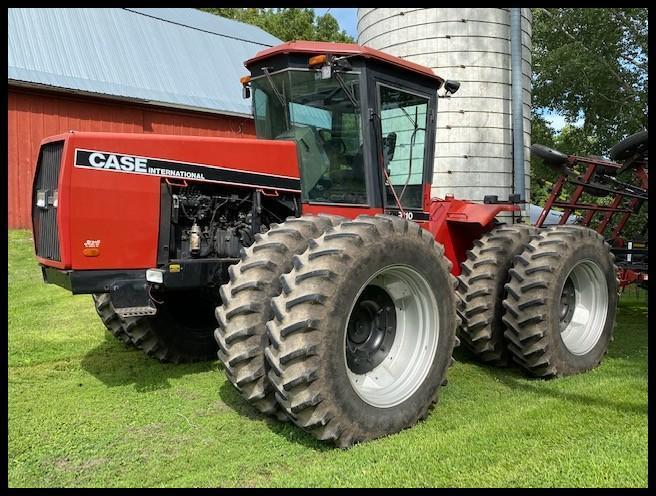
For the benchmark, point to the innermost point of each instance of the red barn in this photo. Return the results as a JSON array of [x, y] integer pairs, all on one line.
[[158, 70]]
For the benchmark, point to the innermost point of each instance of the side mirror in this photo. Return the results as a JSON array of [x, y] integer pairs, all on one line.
[[451, 86], [245, 92]]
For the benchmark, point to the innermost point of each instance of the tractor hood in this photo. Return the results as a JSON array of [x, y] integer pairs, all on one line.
[[97, 191]]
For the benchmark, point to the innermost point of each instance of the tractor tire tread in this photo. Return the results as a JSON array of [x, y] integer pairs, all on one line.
[[246, 304], [527, 302], [114, 324], [481, 290], [297, 327]]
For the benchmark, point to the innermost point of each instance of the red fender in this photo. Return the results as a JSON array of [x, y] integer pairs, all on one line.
[[457, 224]]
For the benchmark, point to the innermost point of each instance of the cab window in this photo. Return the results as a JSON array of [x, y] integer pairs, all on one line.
[[403, 118]]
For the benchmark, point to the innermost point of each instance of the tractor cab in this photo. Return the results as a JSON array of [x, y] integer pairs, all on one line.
[[363, 122]]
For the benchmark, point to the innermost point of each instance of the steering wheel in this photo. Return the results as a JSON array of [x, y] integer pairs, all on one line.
[[327, 138], [340, 142]]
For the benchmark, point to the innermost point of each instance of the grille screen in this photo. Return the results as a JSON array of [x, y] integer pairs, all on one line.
[[44, 218]]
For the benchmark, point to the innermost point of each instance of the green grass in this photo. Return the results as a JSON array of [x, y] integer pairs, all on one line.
[[84, 410]]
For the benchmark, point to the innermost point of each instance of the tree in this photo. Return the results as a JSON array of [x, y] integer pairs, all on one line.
[[589, 65], [592, 64], [288, 23]]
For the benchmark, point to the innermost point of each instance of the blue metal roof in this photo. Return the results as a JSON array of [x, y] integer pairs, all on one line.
[[169, 56]]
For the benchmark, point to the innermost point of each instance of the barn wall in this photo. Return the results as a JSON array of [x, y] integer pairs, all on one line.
[[34, 115]]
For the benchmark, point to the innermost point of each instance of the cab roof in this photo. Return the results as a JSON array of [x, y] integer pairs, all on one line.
[[321, 47]]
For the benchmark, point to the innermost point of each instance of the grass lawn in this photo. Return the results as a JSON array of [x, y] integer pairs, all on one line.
[[85, 410]]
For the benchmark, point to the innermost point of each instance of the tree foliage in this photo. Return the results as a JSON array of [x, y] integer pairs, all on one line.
[[590, 66], [288, 23]]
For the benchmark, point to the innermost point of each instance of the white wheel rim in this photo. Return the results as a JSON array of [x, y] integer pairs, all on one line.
[[413, 350], [583, 313]]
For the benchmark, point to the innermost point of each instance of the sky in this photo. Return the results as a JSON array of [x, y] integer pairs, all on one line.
[[348, 20], [557, 121]]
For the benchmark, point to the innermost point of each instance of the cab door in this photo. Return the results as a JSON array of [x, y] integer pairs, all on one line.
[[407, 137]]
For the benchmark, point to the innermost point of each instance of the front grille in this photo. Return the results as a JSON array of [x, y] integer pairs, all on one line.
[[44, 217]]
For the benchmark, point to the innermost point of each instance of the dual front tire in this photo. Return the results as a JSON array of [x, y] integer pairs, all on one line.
[[363, 331], [344, 327], [254, 280]]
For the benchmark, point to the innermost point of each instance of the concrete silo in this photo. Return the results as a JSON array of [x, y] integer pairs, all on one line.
[[474, 140]]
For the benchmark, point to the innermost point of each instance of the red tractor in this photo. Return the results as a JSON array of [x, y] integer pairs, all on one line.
[[338, 283]]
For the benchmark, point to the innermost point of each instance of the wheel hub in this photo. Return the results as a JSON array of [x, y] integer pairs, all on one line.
[[583, 307], [371, 330], [391, 336]]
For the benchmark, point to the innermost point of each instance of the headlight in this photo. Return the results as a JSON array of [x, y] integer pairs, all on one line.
[[41, 198], [155, 275]]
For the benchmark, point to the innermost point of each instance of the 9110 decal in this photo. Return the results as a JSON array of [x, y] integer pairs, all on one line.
[[99, 160], [416, 215]]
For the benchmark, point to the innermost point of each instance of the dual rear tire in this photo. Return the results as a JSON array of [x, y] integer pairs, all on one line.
[[544, 299], [480, 291], [561, 302]]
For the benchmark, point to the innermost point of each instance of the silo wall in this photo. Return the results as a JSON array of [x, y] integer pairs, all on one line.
[[473, 150]]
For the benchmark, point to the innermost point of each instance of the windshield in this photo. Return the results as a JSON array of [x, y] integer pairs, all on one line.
[[319, 115]]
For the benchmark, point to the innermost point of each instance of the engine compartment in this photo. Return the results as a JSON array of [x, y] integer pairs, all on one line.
[[209, 221]]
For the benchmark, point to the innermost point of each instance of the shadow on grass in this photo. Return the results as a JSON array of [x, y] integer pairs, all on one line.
[[287, 429], [117, 364], [626, 353], [515, 380]]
